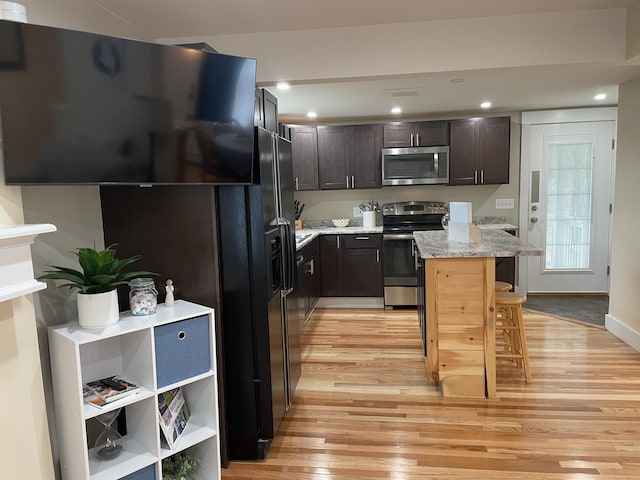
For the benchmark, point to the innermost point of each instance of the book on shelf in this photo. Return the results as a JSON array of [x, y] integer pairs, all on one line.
[[173, 414], [106, 390]]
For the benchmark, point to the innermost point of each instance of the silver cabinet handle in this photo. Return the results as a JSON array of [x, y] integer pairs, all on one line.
[[417, 139], [295, 179], [362, 238], [353, 181], [347, 177], [412, 139], [377, 255], [482, 176], [311, 268], [475, 177], [338, 240]]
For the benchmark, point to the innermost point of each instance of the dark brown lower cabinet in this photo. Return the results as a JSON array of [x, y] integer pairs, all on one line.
[[351, 265], [307, 282], [506, 267]]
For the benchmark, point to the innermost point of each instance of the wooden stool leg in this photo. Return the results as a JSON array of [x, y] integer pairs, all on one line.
[[523, 343]]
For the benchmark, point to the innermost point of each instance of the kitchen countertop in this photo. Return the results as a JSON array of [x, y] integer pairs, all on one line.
[[306, 235], [495, 243]]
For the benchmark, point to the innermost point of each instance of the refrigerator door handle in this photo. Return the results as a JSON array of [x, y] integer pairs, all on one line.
[[288, 257]]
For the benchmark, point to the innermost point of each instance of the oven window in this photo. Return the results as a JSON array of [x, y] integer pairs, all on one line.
[[399, 266]]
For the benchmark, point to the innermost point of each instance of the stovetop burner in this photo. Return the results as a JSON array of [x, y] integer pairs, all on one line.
[[407, 217]]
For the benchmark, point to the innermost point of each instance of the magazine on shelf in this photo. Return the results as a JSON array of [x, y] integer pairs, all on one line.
[[106, 390], [173, 413]]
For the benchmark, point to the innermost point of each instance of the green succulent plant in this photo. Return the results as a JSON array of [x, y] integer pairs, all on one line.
[[181, 466], [101, 271]]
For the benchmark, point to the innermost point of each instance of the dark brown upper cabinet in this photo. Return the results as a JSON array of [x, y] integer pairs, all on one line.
[[416, 134], [349, 157], [479, 151], [265, 110], [305, 157]]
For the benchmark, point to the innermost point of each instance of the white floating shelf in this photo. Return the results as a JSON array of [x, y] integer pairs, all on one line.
[[16, 268]]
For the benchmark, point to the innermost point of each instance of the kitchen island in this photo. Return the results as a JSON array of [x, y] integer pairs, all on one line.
[[458, 318]]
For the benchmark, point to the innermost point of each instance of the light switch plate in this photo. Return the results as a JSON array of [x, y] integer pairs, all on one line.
[[505, 203]]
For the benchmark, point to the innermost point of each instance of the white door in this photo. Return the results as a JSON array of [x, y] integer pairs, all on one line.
[[569, 203]]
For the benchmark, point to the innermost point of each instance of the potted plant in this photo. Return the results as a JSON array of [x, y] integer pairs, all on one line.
[[182, 466], [96, 283]]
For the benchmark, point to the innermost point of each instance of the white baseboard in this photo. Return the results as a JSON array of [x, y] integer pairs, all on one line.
[[625, 333]]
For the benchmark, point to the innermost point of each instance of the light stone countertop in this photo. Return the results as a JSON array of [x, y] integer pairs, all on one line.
[[495, 243], [496, 226], [306, 235]]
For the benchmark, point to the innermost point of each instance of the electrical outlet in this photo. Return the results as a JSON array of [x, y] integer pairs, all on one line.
[[504, 203], [357, 212]]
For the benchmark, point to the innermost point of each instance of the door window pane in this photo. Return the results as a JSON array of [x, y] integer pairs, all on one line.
[[569, 175]]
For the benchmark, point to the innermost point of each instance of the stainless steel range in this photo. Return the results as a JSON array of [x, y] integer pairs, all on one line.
[[399, 221]]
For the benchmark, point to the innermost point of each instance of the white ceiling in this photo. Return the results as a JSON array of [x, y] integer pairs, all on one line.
[[527, 88]]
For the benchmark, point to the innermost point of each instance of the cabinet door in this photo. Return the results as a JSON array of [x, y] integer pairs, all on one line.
[[431, 134], [333, 158], [361, 265], [305, 157], [493, 149], [463, 151], [270, 109], [330, 266], [366, 161], [414, 134], [397, 135]]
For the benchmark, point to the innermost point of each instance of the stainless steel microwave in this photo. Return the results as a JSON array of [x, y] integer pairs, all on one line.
[[415, 165]]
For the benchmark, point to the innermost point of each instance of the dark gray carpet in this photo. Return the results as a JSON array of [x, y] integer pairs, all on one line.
[[586, 308]]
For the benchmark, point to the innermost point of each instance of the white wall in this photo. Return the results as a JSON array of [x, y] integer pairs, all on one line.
[[624, 316], [437, 46]]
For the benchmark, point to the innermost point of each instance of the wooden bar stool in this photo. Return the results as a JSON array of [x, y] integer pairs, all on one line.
[[503, 286], [510, 326]]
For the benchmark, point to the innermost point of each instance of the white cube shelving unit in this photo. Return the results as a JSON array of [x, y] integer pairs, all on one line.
[[129, 349]]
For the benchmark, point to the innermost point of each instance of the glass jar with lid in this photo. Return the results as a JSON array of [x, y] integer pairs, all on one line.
[[143, 296]]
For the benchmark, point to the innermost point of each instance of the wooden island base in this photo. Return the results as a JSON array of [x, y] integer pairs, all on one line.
[[460, 306]]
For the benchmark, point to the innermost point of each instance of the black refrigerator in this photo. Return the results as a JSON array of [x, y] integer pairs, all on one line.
[[257, 269], [231, 248]]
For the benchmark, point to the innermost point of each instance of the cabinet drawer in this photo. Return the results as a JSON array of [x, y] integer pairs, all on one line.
[[182, 350], [365, 240]]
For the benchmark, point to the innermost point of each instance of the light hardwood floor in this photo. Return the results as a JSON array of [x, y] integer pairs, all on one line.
[[364, 408]]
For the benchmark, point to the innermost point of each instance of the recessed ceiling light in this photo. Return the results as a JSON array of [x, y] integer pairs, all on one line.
[[456, 80], [485, 104], [283, 86], [312, 114], [600, 96], [396, 110]]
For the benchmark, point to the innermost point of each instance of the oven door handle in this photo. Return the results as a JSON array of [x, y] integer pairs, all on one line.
[[397, 236]]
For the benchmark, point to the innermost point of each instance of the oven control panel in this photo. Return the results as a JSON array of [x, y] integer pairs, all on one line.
[[414, 208]]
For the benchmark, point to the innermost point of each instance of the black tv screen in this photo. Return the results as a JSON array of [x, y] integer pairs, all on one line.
[[81, 108]]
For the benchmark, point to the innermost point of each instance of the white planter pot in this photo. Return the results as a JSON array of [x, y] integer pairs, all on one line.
[[98, 310]]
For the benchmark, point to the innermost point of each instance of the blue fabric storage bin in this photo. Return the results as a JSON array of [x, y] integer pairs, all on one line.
[[182, 350], [147, 473]]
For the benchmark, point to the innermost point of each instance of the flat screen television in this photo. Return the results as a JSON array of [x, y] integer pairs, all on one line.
[[82, 108]]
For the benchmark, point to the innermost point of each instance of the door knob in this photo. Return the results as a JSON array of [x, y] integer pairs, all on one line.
[[534, 219]]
